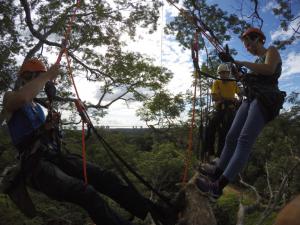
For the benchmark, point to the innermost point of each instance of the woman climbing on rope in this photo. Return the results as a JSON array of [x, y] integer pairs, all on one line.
[[262, 104], [57, 174]]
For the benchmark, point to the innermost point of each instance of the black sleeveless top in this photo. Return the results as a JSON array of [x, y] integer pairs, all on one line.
[[265, 89], [266, 80]]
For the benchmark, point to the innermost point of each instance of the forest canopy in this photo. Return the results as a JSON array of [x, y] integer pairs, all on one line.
[[99, 52]]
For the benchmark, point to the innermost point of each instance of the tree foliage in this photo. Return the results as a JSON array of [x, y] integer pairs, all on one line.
[[216, 20], [160, 160], [162, 108], [97, 44]]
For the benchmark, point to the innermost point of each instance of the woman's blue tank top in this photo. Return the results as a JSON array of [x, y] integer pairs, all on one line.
[[25, 121]]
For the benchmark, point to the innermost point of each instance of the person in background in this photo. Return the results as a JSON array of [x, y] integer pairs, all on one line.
[[224, 93]]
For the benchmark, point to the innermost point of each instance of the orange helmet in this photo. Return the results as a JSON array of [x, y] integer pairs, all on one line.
[[32, 65], [251, 30]]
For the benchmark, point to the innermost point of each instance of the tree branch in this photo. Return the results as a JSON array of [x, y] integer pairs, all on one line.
[[42, 38], [255, 14], [34, 32], [116, 99], [92, 70], [272, 204], [290, 40], [244, 210], [268, 181]]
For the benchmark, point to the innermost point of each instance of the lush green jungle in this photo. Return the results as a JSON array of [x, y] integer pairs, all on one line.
[[159, 156]]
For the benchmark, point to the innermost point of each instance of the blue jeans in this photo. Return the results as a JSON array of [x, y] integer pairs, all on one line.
[[247, 124]]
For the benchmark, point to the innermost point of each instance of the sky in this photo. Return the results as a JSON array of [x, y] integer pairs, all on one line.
[[166, 52]]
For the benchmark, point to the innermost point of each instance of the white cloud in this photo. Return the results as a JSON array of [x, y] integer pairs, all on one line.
[[121, 114], [270, 5], [287, 85], [291, 65], [166, 52], [280, 34], [86, 90]]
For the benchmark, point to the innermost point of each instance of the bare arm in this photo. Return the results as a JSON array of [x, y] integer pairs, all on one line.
[[267, 68], [16, 99]]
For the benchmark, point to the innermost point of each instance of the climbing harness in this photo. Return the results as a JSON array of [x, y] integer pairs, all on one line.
[[53, 122]]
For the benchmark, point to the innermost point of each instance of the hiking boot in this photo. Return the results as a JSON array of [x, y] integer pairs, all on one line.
[[163, 215], [211, 189], [210, 171]]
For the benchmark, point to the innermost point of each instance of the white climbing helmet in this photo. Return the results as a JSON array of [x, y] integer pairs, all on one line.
[[223, 67]]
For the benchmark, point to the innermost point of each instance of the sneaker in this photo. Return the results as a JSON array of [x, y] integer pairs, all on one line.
[[208, 188], [209, 171]]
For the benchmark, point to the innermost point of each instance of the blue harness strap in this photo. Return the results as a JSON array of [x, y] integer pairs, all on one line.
[[25, 121]]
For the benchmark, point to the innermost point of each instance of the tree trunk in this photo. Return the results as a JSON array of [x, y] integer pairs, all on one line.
[[197, 209]]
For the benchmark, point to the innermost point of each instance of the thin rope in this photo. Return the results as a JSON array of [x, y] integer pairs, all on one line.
[[201, 28], [188, 155], [189, 151], [70, 73], [207, 56], [86, 119], [62, 51], [67, 33]]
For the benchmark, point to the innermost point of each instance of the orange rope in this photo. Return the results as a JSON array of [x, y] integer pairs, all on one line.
[[67, 33], [189, 151], [78, 103], [188, 155], [79, 107], [71, 74]]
